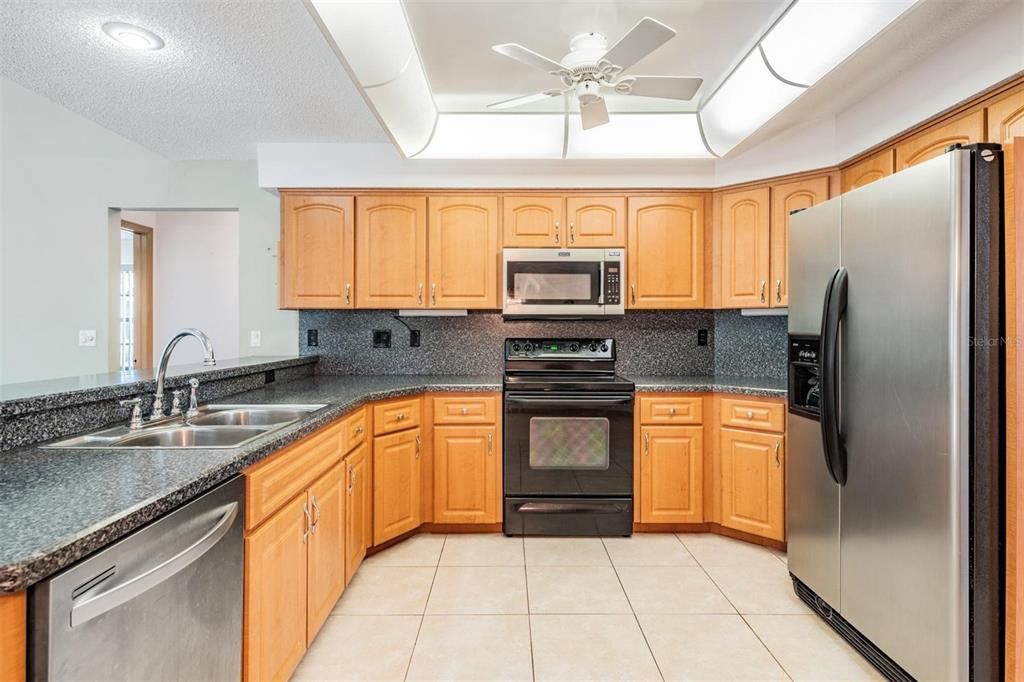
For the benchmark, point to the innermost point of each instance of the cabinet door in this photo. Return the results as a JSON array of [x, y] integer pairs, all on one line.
[[596, 222], [396, 484], [391, 251], [787, 198], [358, 509], [671, 474], [316, 251], [275, 594], [746, 244], [753, 481], [1005, 118], [463, 246], [531, 222], [666, 252], [933, 141], [326, 558], [876, 167], [465, 474]]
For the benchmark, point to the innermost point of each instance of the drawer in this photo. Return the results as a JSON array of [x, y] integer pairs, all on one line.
[[482, 409], [671, 409], [396, 415], [353, 430], [760, 415], [274, 481]]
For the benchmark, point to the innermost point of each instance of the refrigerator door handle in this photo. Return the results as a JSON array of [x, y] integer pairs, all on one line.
[[832, 315]]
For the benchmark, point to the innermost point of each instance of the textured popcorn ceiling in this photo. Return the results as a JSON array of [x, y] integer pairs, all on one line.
[[233, 73]]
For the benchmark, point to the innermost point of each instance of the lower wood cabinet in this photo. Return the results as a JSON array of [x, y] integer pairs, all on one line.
[[325, 558], [753, 482], [466, 481], [671, 474], [358, 509], [396, 484]]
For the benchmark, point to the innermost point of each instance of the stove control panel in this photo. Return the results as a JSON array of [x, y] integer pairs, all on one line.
[[566, 349]]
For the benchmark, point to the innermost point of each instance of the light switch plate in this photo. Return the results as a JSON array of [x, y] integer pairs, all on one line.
[[87, 337], [255, 338]]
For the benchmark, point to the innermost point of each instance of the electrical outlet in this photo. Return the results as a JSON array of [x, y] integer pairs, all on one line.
[[381, 338], [702, 337], [414, 338], [87, 337], [255, 338], [312, 337]]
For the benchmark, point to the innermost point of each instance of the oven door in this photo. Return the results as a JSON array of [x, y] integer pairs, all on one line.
[[549, 282], [568, 445]]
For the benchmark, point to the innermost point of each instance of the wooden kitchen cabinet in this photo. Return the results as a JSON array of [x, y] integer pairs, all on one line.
[[1005, 118], [753, 482], [786, 198], [391, 251], [745, 248], [532, 221], [595, 222], [933, 141], [466, 460], [396, 484], [274, 638], [316, 253], [866, 171], [665, 252], [671, 474], [358, 509], [325, 566], [13, 636], [463, 249]]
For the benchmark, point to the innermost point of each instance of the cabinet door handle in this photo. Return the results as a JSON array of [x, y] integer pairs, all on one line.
[[433, 293], [572, 233], [558, 236], [316, 514], [419, 445], [307, 524], [777, 462], [348, 292], [764, 283], [632, 291], [351, 480], [419, 293], [778, 291], [647, 442], [490, 443]]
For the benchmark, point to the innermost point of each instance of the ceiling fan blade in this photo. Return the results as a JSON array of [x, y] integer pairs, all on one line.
[[666, 87], [528, 57], [641, 40], [525, 99], [593, 114]]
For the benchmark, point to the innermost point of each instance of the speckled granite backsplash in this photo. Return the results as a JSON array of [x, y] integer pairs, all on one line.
[[649, 342]]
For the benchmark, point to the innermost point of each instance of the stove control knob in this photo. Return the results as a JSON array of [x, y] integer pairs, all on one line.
[[574, 347], [604, 347], [593, 348], [516, 347], [528, 347]]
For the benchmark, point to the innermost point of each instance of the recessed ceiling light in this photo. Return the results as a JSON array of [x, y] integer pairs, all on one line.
[[134, 37]]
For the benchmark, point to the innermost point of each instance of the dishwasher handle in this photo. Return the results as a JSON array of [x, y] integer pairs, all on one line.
[[99, 604]]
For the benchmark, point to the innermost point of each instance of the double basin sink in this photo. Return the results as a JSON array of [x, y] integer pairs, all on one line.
[[216, 426]]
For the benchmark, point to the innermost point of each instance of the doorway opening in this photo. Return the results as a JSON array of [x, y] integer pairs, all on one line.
[[135, 337]]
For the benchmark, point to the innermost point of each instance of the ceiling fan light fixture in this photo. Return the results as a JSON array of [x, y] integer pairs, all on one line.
[[131, 36], [588, 91]]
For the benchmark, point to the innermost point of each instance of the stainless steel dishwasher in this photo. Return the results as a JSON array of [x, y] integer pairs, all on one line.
[[164, 603]]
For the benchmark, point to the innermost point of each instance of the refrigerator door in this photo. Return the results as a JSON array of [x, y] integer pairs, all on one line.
[[903, 558], [813, 258]]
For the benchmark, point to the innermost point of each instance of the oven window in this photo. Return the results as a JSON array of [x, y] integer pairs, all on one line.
[[554, 282], [569, 443]]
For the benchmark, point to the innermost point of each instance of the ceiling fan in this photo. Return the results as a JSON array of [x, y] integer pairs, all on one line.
[[591, 67]]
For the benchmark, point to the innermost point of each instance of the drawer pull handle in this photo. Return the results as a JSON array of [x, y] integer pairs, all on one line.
[[672, 411], [400, 416], [359, 429], [750, 415], [465, 410]]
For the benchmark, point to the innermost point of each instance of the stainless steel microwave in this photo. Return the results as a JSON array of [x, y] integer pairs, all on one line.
[[563, 283]]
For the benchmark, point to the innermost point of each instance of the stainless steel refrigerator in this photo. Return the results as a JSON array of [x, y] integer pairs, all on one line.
[[894, 485]]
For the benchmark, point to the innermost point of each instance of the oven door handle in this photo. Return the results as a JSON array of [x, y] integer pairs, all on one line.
[[563, 400]]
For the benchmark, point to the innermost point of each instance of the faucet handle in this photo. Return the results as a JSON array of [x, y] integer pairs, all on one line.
[[136, 418], [193, 398], [176, 402]]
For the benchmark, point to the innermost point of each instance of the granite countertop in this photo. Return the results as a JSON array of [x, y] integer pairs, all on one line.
[[58, 506]]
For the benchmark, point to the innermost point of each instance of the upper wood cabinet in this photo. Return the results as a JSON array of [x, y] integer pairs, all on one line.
[[358, 508], [933, 142], [875, 167], [745, 248], [1005, 118], [325, 569], [753, 482], [463, 252], [595, 222], [396, 484], [785, 199], [466, 474], [665, 251], [532, 221], [671, 474], [391, 251], [316, 253]]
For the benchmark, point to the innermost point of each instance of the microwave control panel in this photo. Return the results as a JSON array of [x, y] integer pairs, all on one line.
[[612, 282]]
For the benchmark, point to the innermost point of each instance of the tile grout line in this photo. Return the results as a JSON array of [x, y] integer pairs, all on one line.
[[423, 616], [636, 618], [529, 613]]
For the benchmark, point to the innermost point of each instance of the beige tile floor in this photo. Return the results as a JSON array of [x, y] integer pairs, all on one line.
[[650, 607]]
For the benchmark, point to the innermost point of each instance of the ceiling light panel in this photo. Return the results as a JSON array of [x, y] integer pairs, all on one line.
[[815, 36], [407, 107], [638, 136], [372, 35], [749, 97], [496, 136]]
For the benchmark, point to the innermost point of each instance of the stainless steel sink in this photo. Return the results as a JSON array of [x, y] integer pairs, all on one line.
[[216, 426]]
